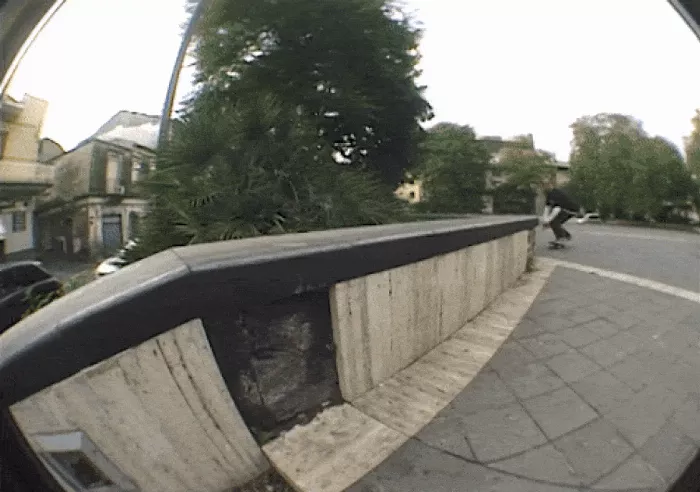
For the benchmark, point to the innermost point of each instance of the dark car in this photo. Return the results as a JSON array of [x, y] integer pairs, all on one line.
[[22, 285]]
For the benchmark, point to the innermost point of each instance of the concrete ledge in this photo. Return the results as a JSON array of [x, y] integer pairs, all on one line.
[[342, 444], [385, 321], [166, 290], [271, 333]]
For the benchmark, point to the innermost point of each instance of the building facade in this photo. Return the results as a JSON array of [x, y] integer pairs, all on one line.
[[96, 202], [23, 178]]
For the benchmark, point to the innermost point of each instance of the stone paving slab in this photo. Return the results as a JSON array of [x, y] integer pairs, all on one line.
[[598, 388]]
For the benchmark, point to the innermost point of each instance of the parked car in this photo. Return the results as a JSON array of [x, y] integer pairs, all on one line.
[[589, 217], [23, 284], [116, 262]]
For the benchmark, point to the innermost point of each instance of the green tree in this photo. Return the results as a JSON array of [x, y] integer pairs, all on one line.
[[348, 67], [662, 183], [527, 168], [524, 171], [603, 155], [621, 171], [453, 169], [305, 116]]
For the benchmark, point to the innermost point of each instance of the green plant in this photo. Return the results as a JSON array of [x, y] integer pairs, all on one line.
[[306, 115], [453, 170], [37, 302]]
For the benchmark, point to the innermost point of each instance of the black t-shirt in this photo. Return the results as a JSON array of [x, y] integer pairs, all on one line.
[[557, 198]]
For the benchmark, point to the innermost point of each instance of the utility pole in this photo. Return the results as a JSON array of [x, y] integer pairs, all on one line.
[[164, 132]]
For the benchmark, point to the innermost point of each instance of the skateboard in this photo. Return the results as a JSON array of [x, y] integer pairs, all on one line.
[[556, 245]]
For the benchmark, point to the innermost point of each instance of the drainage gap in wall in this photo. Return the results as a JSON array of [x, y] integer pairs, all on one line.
[[76, 460]]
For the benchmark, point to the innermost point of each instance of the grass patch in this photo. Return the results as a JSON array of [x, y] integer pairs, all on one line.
[[75, 282]]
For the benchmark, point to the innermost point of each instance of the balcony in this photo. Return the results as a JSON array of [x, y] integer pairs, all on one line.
[[20, 179]]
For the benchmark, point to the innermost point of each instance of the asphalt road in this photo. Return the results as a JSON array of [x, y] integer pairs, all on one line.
[[664, 256], [64, 270]]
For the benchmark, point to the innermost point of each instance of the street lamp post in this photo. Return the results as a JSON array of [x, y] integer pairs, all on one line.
[[163, 133]]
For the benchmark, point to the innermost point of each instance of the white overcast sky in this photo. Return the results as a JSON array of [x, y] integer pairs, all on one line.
[[505, 67]]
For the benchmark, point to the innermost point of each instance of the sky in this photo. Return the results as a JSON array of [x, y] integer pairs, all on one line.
[[505, 67], [95, 58]]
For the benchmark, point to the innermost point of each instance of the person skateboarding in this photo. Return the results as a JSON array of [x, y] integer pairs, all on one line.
[[559, 208]]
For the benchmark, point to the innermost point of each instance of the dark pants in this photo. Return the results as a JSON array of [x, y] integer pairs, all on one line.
[[557, 225], [2, 251]]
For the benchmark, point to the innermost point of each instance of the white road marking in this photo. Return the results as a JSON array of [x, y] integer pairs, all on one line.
[[630, 279]]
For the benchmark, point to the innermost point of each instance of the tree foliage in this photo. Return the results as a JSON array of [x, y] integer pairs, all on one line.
[[526, 170], [453, 169], [619, 170], [348, 67], [305, 115]]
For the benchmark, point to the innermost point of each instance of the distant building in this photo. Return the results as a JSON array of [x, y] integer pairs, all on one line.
[[48, 150], [96, 203], [23, 177], [563, 173], [411, 190]]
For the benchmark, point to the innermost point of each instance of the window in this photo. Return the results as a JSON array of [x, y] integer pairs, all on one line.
[[3, 139], [74, 458], [19, 221], [114, 166]]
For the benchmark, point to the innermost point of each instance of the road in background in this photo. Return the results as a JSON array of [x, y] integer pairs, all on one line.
[[665, 256], [65, 270]]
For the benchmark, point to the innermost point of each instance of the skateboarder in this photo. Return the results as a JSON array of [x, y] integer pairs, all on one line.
[[559, 208]]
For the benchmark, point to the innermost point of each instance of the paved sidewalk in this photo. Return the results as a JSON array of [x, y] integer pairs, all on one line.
[[598, 388]]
